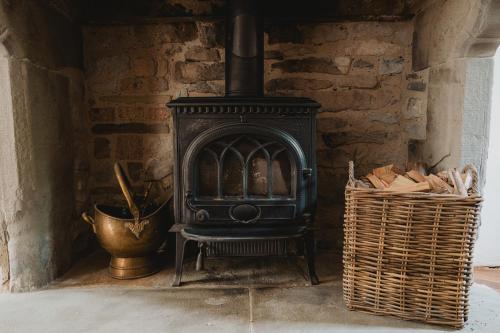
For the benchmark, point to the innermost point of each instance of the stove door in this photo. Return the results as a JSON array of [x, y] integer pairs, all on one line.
[[244, 174]]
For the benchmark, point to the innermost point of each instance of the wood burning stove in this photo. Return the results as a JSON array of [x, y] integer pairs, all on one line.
[[245, 166]]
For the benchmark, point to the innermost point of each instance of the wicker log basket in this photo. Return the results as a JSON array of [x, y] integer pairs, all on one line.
[[409, 254]]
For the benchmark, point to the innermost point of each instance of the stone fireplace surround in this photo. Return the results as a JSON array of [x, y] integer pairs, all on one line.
[[391, 87]]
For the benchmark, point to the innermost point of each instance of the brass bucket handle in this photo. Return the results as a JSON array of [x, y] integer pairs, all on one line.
[[89, 219], [127, 190]]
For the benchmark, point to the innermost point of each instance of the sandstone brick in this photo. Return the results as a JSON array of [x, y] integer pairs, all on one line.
[[297, 84], [356, 81], [375, 47], [343, 64], [369, 30], [386, 118], [129, 147], [148, 35], [197, 53], [143, 67], [102, 114], [141, 85], [130, 114], [158, 146], [308, 65], [353, 99], [102, 171], [391, 66], [141, 113], [334, 140], [105, 68], [211, 34], [102, 148], [193, 72], [156, 114], [130, 128], [273, 54], [207, 87], [360, 63]]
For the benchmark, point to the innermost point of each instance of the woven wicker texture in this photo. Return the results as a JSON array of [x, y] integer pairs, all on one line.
[[409, 254]]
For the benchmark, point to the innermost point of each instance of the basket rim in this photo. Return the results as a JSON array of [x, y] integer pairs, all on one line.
[[473, 196]]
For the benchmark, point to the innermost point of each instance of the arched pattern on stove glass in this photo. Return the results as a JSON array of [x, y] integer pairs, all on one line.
[[245, 166]]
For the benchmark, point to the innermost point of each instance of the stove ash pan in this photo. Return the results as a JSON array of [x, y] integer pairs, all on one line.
[[244, 162]]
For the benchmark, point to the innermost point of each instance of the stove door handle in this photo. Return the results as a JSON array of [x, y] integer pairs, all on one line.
[[307, 172], [201, 215]]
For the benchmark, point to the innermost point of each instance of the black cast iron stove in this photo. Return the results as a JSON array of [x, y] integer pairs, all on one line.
[[245, 166]]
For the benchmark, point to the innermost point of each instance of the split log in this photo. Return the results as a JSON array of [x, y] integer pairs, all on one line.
[[415, 187], [376, 181], [416, 176], [387, 169], [401, 181], [438, 185]]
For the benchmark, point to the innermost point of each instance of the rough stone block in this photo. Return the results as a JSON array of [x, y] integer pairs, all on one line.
[[141, 113], [308, 65], [273, 54], [391, 66], [343, 64], [193, 72], [334, 140], [375, 47], [103, 171], [143, 67], [357, 81], [197, 53], [102, 148], [158, 146], [103, 74], [207, 87], [129, 147], [362, 64], [211, 34], [179, 32], [142, 85], [297, 84], [102, 114]]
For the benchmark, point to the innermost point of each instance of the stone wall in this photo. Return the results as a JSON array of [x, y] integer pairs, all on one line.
[[43, 144], [372, 104]]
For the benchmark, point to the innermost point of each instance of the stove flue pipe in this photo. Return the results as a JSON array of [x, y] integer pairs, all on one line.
[[244, 49]]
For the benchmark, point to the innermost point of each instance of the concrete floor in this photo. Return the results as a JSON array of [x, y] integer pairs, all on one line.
[[263, 295]]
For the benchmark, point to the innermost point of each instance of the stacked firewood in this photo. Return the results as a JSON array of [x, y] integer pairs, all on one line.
[[417, 179]]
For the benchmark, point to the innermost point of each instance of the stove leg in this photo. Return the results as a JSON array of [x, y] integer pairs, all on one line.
[[201, 256], [180, 245], [310, 261]]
